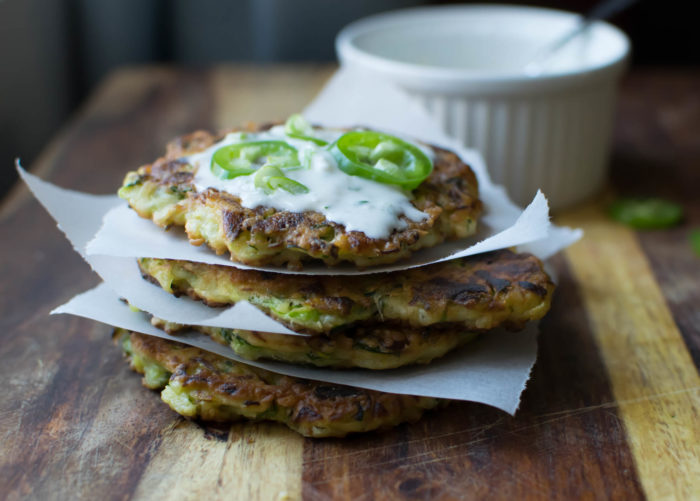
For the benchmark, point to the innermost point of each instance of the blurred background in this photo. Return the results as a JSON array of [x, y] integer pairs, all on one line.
[[53, 52]]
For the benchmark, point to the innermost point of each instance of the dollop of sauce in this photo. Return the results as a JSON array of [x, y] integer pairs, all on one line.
[[357, 203]]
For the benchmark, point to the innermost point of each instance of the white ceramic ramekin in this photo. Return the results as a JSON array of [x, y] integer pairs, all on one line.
[[466, 65]]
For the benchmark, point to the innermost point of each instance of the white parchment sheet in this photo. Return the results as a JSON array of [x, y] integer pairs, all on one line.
[[79, 215], [126, 234], [351, 100], [492, 370]]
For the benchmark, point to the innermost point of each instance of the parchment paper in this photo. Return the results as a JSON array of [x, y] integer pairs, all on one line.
[[126, 234], [79, 215], [492, 370], [351, 100]]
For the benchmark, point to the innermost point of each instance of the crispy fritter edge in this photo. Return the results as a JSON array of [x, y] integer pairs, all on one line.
[[202, 385], [480, 292], [374, 348], [163, 192]]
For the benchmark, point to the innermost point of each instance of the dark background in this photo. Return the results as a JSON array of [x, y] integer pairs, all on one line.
[[53, 52]]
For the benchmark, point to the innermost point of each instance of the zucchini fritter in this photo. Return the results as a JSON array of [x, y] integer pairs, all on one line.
[[370, 347], [164, 192], [479, 292], [198, 384]]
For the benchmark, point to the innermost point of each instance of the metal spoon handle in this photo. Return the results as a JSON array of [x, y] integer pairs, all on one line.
[[601, 11], [607, 9]]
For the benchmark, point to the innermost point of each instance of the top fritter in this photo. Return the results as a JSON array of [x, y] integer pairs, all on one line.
[[275, 195]]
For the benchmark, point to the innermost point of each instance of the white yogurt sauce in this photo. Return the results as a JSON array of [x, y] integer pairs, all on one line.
[[358, 204]]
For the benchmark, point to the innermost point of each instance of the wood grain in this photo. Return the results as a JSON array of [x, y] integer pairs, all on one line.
[[219, 463], [650, 369], [566, 442], [74, 420], [657, 153], [611, 411]]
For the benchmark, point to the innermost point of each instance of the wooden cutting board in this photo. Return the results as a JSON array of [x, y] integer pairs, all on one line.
[[611, 411]]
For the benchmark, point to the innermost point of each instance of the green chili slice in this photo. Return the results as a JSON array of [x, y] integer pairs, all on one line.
[[647, 213], [270, 177], [287, 184], [297, 127], [695, 241], [242, 159], [381, 157]]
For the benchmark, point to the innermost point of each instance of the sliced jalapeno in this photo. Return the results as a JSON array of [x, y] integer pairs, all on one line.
[[242, 159], [297, 127], [646, 213], [381, 157], [695, 241], [270, 177]]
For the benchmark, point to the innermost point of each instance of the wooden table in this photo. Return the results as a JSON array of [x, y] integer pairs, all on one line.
[[612, 410]]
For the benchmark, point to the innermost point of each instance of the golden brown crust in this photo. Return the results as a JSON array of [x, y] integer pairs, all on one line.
[[374, 346], [263, 235], [479, 292], [485, 281], [218, 389]]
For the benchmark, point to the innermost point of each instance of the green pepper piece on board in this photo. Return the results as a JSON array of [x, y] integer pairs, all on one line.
[[646, 213]]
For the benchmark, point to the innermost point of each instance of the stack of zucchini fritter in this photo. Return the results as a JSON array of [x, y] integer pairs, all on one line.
[[376, 321]]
